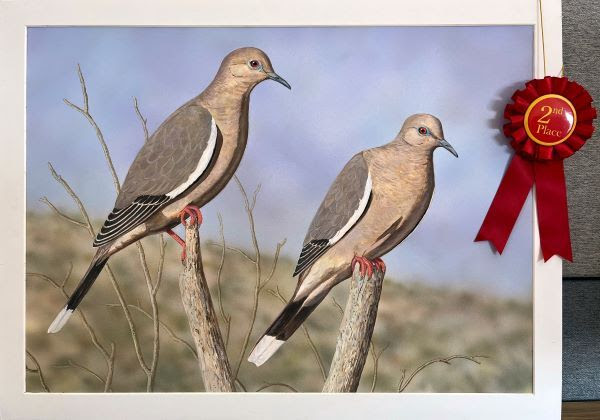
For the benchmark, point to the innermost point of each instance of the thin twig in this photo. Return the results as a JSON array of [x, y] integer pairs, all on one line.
[[151, 375], [249, 212], [311, 344], [232, 248], [85, 111], [38, 369], [169, 331], [150, 371], [111, 275], [237, 381], [403, 384], [375, 356], [337, 305], [161, 263], [143, 120], [258, 283], [111, 368], [291, 388], [86, 325], [61, 214], [71, 364], [274, 266], [225, 317], [152, 289]]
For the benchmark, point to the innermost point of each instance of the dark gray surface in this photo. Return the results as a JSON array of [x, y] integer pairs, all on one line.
[[581, 55], [581, 299], [581, 339]]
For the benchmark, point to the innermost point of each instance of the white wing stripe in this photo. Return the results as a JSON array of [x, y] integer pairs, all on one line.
[[202, 163], [362, 205]]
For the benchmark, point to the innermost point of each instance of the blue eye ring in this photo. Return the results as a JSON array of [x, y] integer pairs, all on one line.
[[424, 131]]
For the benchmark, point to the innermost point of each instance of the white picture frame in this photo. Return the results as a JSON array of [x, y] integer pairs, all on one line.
[[15, 16]]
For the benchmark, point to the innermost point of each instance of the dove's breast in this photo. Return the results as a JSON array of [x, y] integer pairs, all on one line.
[[232, 123]]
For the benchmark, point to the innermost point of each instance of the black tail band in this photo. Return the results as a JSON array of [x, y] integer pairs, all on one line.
[[86, 282]]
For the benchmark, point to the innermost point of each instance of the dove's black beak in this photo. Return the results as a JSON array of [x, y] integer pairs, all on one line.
[[278, 79], [443, 143]]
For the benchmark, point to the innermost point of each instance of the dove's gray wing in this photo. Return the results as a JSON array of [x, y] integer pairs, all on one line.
[[346, 201], [172, 159]]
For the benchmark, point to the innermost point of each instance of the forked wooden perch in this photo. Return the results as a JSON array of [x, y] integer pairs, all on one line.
[[212, 357], [355, 333]]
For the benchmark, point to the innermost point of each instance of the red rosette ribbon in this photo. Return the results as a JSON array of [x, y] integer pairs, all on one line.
[[549, 120]]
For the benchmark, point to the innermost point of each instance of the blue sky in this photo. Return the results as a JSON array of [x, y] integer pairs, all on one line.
[[352, 88]]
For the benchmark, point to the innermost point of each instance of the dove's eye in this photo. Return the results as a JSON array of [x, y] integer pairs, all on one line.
[[424, 131], [254, 64]]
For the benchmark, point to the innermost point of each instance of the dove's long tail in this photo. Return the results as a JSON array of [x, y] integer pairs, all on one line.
[[82, 288], [288, 321]]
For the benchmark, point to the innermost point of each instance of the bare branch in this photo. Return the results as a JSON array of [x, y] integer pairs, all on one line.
[[291, 388], [71, 364], [237, 381], [204, 327], [108, 357], [109, 270], [38, 369], [152, 289], [169, 330], [75, 198], [225, 317], [337, 305], [86, 113], [111, 369], [249, 213], [232, 248], [356, 331], [161, 263], [143, 120], [67, 276], [61, 214], [375, 356], [151, 375], [150, 371], [274, 266], [446, 360]]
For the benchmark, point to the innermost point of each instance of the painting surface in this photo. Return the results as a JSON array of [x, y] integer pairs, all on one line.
[[352, 88]]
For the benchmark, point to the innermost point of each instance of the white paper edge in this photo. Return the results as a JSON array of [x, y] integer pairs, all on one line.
[[15, 16]]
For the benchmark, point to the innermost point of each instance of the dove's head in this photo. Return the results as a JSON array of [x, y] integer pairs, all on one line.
[[424, 132], [247, 67]]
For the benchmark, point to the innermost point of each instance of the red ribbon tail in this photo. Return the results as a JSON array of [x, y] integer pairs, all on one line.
[[507, 203], [553, 214]]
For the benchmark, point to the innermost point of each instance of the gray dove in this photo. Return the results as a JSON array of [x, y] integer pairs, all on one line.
[[186, 162], [376, 201]]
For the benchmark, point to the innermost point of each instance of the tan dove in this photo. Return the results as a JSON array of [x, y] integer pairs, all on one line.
[[377, 200], [186, 162]]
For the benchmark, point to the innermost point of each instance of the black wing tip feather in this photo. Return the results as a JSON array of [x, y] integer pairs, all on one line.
[[310, 252]]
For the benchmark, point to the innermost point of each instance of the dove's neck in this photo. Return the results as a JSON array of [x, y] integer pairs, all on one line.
[[412, 154], [228, 102], [225, 93]]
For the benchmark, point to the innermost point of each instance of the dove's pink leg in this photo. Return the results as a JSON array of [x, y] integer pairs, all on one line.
[[195, 216]]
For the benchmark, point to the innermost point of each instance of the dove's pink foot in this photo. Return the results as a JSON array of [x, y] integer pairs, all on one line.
[[195, 215], [379, 265], [365, 266]]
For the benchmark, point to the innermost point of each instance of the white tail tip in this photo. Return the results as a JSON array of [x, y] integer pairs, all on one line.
[[60, 320], [264, 349]]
